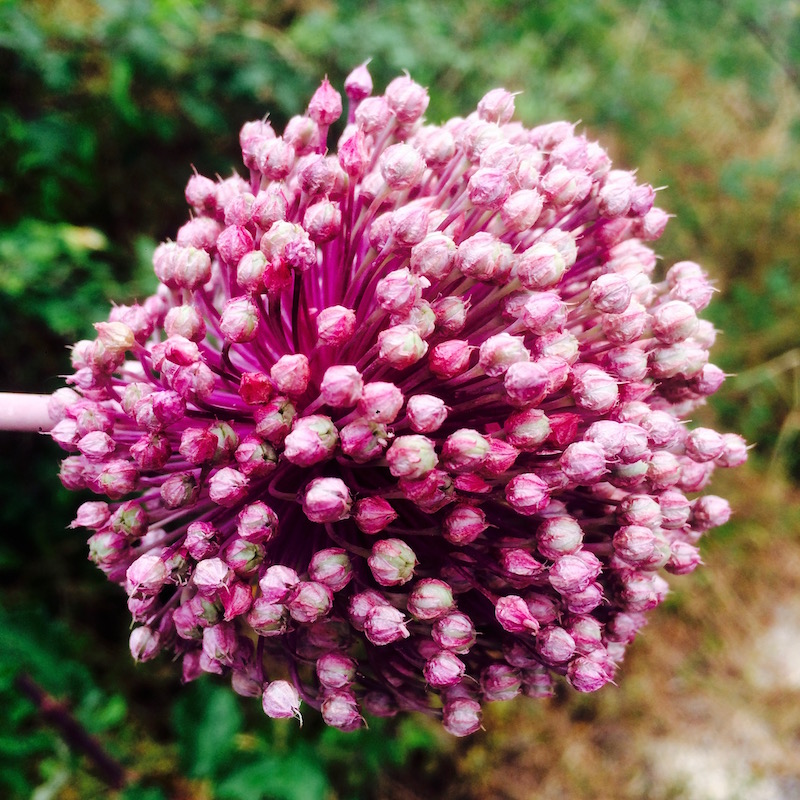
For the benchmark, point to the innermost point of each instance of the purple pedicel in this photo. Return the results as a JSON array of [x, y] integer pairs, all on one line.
[[408, 410]]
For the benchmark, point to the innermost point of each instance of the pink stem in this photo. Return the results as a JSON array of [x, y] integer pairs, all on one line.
[[24, 412]]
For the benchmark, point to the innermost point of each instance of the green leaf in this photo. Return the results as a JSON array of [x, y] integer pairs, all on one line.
[[206, 720], [297, 776]]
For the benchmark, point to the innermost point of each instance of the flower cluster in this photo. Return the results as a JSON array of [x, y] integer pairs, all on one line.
[[402, 427]]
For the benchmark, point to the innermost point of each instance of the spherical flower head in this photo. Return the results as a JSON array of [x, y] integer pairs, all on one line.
[[416, 400]]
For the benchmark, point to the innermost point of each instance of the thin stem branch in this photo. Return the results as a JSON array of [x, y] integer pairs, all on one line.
[[73, 733]]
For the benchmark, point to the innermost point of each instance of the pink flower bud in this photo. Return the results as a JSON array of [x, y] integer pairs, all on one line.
[[373, 115], [461, 716], [734, 450], [227, 487], [514, 616], [586, 675], [326, 500], [373, 514], [684, 558], [243, 557], [674, 322], [200, 193], [274, 419], [340, 710], [291, 374], [198, 445], [401, 166], [93, 514], [116, 337], [407, 99], [145, 643], [626, 326], [484, 258], [201, 540], [643, 592], [240, 320], [255, 458], [325, 106], [358, 84], [255, 388], [593, 389], [313, 439], [257, 522], [709, 512], [363, 440], [280, 700], [520, 566], [496, 106], [426, 413], [454, 631], [573, 573], [641, 547], [398, 291], [335, 325], [464, 524], [211, 576], [277, 583], [270, 206], [540, 267], [96, 445], [500, 682], [464, 451], [527, 383], [392, 562], [220, 643], [444, 668], [411, 457], [558, 536], [116, 479], [146, 576], [331, 567], [430, 599], [309, 601], [663, 470], [614, 198], [610, 293], [702, 444], [584, 463], [341, 386], [433, 257], [380, 402], [501, 457], [527, 494], [384, 624], [401, 346], [129, 519], [336, 670], [274, 158], [488, 188]]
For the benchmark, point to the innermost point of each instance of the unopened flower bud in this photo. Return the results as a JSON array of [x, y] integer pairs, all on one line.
[[392, 562], [326, 500], [281, 700], [464, 524]]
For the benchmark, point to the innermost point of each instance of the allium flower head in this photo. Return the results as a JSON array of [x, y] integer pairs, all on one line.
[[405, 415]]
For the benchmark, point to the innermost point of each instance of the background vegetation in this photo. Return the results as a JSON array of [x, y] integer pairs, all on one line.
[[105, 104]]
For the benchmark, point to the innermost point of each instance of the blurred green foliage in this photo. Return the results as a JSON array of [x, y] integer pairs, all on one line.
[[104, 107]]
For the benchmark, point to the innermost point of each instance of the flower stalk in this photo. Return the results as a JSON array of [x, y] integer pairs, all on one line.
[[21, 411]]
